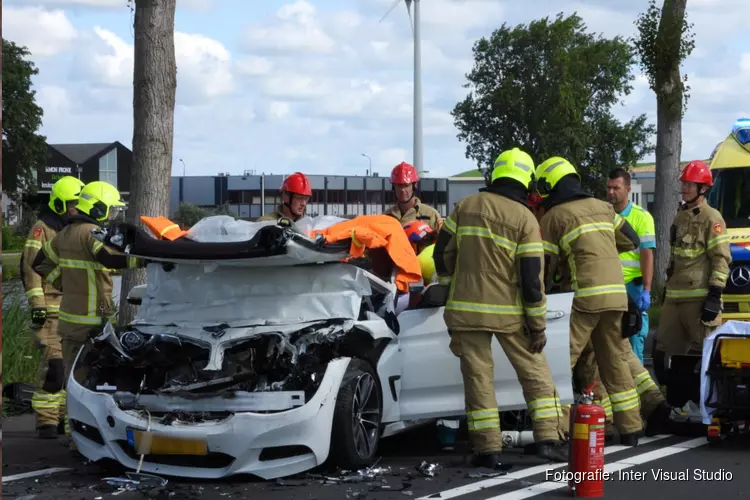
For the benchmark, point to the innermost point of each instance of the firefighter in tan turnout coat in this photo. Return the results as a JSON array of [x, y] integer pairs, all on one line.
[[44, 300], [491, 248]]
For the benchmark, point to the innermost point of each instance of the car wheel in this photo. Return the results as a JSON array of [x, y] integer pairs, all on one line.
[[356, 420]]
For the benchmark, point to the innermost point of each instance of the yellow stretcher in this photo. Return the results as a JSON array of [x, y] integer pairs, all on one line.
[[730, 375]]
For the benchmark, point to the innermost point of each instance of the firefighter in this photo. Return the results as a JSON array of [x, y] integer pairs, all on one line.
[[295, 194], [638, 265], [74, 260], [496, 290], [578, 228], [654, 409], [44, 301], [697, 273], [408, 207]]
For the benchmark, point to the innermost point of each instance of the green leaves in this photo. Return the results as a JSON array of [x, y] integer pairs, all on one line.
[[23, 149], [549, 87]]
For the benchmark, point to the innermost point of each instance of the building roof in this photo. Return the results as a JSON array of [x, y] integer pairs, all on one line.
[[80, 153], [640, 168]]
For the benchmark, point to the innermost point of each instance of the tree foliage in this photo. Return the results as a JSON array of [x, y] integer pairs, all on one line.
[[661, 47], [23, 148], [549, 88]]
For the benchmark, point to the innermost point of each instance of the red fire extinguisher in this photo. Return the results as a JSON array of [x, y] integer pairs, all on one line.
[[586, 457]]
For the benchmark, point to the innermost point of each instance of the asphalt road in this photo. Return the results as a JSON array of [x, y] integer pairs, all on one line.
[[724, 468]]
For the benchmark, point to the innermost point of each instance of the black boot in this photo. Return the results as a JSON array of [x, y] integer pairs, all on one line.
[[61, 428], [630, 439], [490, 460], [556, 451], [47, 432], [658, 421]]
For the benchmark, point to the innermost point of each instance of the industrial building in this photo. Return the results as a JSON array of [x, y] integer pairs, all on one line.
[[251, 195]]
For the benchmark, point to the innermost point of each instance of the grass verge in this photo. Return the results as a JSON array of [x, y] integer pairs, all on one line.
[[11, 265], [20, 356], [653, 316]]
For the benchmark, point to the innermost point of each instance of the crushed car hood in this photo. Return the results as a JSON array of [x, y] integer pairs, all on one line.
[[244, 297]]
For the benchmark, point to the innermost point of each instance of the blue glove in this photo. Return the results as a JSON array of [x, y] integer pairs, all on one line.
[[644, 301]]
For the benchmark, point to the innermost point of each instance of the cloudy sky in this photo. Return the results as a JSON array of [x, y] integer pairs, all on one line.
[[284, 85]]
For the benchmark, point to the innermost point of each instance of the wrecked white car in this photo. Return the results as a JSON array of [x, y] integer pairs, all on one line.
[[270, 357]]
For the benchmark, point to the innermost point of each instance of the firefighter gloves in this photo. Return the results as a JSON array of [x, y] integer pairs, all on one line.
[[39, 315], [712, 305], [538, 341]]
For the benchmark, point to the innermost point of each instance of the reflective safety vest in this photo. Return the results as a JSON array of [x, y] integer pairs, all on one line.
[[379, 231], [163, 228], [643, 224]]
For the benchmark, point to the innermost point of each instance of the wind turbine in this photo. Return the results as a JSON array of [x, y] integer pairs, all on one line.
[[415, 28]]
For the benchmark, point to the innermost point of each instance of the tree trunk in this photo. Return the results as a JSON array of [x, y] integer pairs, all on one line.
[[154, 88], [669, 108]]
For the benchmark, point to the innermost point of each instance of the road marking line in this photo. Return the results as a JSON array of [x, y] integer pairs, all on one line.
[[26, 475], [530, 471], [626, 463]]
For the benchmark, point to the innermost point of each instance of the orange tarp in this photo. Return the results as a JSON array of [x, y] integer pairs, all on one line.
[[163, 228], [379, 231]]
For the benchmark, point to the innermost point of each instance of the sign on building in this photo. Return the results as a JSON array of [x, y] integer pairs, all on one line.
[[51, 174]]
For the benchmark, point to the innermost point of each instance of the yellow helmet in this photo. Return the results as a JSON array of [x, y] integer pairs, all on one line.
[[65, 190], [549, 173], [427, 264], [514, 164], [98, 199]]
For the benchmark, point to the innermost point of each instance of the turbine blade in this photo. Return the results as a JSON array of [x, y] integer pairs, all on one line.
[[395, 4], [411, 19]]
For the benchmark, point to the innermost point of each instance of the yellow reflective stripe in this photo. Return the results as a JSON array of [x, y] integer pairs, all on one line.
[[551, 248], [483, 232], [444, 280], [718, 275], [456, 305], [354, 238], [45, 401], [571, 236], [718, 240], [51, 254], [525, 248], [168, 228], [33, 244], [624, 401], [607, 405], [689, 253], [545, 408], [449, 225], [643, 382], [599, 290], [53, 275], [34, 292], [96, 247], [81, 264], [53, 308], [78, 319], [488, 418], [536, 311], [132, 262], [91, 302], [687, 294]]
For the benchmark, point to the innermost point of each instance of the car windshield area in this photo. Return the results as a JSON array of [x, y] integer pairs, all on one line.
[[730, 195]]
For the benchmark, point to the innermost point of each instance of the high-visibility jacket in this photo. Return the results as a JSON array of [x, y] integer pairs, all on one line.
[[585, 233], [491, 247], [642, 223], [379, 231], [700, 253], [81, 266], [163, 228], [420, 212], [39, 293]]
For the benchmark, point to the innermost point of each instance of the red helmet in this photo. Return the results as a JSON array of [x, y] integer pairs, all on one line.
[[297, 183], [418, 231], [698, 172], [404, 173]]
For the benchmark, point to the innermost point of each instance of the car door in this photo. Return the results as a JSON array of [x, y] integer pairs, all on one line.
[[431, 384]]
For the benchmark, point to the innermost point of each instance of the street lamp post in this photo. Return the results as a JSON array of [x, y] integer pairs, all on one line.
[[183, 167], [369, 170]]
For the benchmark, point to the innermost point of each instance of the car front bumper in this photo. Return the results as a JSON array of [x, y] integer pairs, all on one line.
[[267, 445]]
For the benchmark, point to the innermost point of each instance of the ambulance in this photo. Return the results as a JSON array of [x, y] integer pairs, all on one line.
[[730, 165]]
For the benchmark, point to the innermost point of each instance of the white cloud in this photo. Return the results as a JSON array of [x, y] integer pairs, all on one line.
[[45, 33], [317, 84]]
